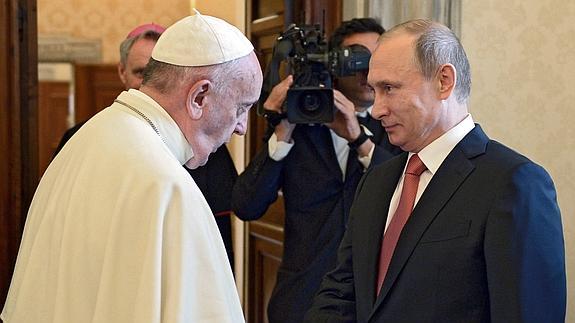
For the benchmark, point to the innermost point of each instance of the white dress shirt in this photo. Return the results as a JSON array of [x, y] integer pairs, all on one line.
[[278, 150], [432, 156]]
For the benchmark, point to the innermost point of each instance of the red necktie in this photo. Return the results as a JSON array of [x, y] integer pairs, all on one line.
[[410, 183]]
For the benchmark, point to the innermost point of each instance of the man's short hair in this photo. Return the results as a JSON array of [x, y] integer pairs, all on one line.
[[434, 46], [127, 44], [165, 77], [354, 26]]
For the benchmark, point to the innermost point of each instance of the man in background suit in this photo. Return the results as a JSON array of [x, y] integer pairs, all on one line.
[[484, 242], [217, 177], [317, 167]]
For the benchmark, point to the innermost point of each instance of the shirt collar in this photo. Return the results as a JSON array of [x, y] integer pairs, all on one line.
[[364, 113], [435, 153]]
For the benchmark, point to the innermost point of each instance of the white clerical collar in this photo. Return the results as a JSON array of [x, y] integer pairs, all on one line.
[[167, 127], [435, 153]]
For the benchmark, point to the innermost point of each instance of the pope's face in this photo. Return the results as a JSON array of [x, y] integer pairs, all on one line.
[[228, 113]]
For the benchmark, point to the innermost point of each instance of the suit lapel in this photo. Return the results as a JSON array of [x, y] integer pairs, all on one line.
[[450, 175], [375, 127], [376, 209], [320, 137], [353, 165]]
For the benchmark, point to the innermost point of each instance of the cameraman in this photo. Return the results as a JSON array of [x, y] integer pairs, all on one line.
[[318, 168]]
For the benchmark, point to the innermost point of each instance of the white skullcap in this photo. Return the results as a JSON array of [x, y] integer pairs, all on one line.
[[201, 40]]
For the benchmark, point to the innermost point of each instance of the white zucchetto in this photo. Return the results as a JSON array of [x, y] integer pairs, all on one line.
[[201, 40]]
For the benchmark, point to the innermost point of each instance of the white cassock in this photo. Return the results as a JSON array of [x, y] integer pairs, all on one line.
[[119, 232]]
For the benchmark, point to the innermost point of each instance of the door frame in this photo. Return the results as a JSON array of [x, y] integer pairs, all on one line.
[[18, 127]]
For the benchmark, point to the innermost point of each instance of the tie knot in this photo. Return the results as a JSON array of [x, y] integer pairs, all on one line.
[[415, 166]]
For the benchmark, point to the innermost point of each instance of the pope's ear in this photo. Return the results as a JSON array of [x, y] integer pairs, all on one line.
[[447, 77], [196, 99]]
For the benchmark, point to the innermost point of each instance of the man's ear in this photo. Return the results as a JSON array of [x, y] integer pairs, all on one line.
[[447, 78], [121, 71], [196, 100]]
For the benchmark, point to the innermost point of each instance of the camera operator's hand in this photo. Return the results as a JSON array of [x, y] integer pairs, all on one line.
[[345, 122], [275, 102]]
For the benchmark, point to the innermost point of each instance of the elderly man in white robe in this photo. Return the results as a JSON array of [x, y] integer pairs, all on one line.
[[112, 234]]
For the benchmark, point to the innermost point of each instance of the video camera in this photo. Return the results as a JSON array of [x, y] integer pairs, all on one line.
[[313, 65]]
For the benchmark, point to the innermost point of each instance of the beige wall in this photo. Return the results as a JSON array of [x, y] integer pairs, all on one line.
[[111, 20], [522, 56], [107, 20]]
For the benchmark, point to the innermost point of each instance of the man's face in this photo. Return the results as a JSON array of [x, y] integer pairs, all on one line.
[[407, 104], [228, 111], [138, 57], [355, 87]]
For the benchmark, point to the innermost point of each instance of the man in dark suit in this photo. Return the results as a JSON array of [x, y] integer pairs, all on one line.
[[317, 167], [483, 243], [216, 180]]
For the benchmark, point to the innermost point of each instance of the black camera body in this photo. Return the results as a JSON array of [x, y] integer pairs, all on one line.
[[313, 66]]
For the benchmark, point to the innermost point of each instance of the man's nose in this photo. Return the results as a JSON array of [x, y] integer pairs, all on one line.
[[380, 108]]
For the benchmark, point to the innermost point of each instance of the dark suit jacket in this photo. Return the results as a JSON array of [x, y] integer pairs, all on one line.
[[215, 179], [483, 244], [317, 202]]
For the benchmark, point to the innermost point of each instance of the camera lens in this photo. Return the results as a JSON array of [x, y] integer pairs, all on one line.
[[310, 105], [311, 102]]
